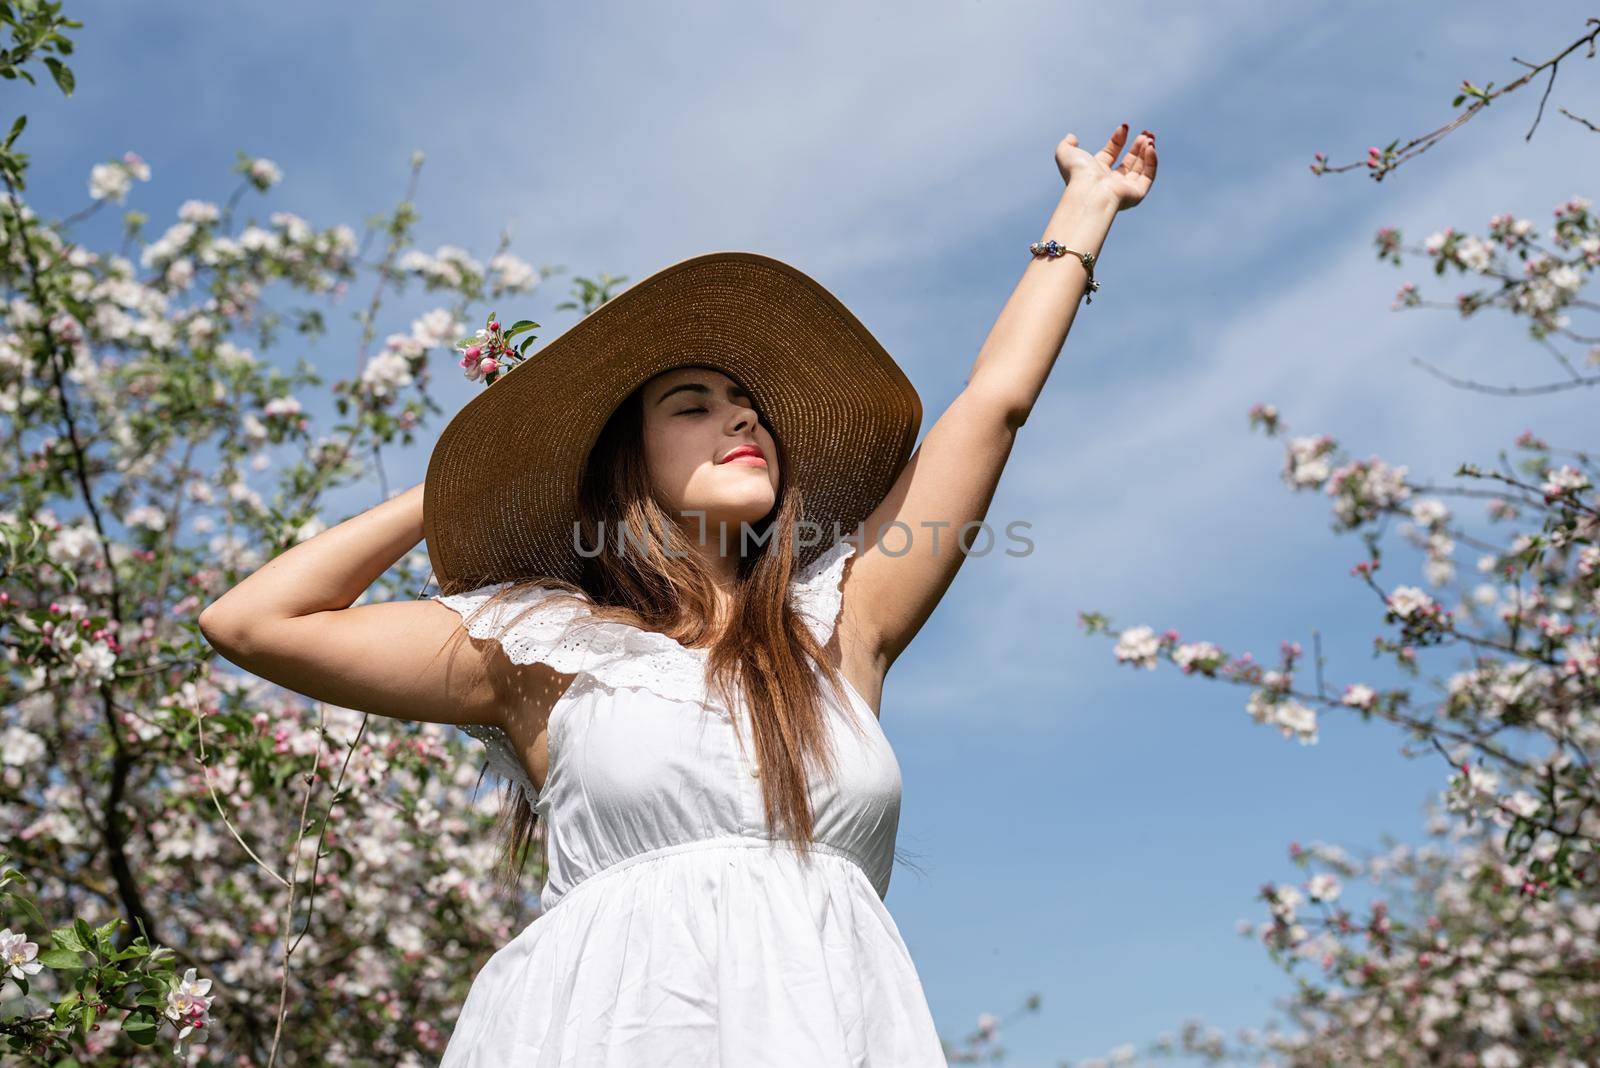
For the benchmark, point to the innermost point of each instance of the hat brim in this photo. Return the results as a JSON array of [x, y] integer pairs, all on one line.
[[500, 500]]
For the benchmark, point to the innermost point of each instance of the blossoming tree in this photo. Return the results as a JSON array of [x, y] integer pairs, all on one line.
[[193, 858], [1479, 948], [197, 862]]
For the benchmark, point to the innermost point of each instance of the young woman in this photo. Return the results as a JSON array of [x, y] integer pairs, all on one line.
[[678, 550]]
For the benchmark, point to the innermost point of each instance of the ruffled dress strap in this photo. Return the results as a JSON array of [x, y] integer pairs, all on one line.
[[546, 625], [817, 592], [533, 638]]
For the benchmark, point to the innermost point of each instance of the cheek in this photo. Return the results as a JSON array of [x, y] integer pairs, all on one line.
[[672, 456]]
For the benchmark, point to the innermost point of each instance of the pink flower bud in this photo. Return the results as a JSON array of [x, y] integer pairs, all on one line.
[[494, 325], [474, 352], [488, 366]]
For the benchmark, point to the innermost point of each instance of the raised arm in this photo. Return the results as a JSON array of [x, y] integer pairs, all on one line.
[[951, 478]]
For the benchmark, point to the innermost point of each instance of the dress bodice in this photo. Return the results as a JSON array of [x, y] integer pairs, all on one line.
[[676, 928], [644, 761]]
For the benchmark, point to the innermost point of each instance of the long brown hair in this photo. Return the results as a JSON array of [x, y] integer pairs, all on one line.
[[657, 583]]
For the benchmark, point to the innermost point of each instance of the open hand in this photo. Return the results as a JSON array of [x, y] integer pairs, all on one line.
[[1099, 173]]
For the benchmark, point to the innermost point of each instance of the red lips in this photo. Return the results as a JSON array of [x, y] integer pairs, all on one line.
[[743, 450]]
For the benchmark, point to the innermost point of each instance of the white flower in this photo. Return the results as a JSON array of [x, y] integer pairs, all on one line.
[[76, 544], [414, 261], [95, 662], [1500, 1055], [1293, 719], [512, 274], [1358, 695], [1196, 655], [1285, 899], [136, 166], [20, 747], [1429, 511], [146, 515], [1472, 790], [385, 373], [437, 328], [1562, 479], [187, 1001], [1523, 803], [1582, 656], [1307, 463], [1475, 254], [180, 273], [1409, 601], [199, 212], [255, 239], [296, 229], [407, 937], [230, 355], [1297, 721], [1323, 887], [265, 173], [1138, 645], [107, 181], [17, 953]]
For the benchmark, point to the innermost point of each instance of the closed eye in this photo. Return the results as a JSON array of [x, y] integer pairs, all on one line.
[[691, 411]]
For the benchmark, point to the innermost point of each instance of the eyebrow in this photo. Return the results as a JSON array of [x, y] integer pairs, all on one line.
[[696, 387]]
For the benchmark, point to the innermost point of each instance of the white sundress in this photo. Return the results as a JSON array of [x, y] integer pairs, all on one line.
[[675, 930]]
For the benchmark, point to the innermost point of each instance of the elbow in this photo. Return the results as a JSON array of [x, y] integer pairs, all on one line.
[[222, 633], [1005, 409]]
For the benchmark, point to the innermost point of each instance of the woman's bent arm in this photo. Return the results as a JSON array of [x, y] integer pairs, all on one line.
[[324, 573], [291, 622]]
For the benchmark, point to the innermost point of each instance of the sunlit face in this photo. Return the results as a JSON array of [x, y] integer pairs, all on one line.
[[694, 418]]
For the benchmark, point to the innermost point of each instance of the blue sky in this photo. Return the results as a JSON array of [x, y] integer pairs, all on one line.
[[1080, 830]]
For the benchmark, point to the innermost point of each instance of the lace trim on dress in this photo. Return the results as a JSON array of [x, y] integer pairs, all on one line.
[[553, 629]]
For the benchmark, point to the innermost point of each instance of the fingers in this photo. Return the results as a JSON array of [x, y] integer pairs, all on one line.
[[1133, 159], [1140, 160], [1108, 154]]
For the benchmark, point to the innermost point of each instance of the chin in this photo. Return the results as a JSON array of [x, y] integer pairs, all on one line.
[[750, 511]]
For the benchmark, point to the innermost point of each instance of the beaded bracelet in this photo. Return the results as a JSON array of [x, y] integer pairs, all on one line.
[[1050, 249]]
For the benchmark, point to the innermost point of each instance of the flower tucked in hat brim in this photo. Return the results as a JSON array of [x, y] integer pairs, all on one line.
[[492, 351]]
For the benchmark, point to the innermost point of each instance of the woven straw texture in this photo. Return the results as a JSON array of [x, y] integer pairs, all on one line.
[[500, 501]]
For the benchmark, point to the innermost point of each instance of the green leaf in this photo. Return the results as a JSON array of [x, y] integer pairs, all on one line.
[[30, 910], [60, 957], [16, 128], [65, 1006], [67, 938], [141, 1027], [61, 73]]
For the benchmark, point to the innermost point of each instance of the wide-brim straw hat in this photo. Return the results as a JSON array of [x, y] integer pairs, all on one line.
[[500, 501]]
